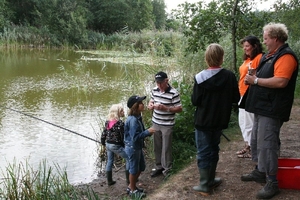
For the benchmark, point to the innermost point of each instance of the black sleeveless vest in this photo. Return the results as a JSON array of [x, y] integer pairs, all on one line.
[[272, 102]]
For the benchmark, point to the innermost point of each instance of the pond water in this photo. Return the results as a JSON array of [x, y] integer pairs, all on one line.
[[45, 92]]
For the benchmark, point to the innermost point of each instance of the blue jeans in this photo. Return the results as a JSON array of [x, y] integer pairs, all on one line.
[[207, 143], [111, 150]]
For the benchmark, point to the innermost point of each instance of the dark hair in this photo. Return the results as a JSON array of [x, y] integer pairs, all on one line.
[[134, 110], [255, 43]]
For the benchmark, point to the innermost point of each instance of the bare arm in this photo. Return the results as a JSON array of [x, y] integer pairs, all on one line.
[[163, 107], [176, 109], [273, 82]]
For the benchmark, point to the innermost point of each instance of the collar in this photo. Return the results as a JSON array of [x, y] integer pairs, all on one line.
[[167, 90], [214, 67]]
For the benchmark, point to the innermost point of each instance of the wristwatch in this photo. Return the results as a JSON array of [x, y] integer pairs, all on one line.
[[255, 81]]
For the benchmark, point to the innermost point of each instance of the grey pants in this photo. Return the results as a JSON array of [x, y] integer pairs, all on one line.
[[163, 146], [265, 143]]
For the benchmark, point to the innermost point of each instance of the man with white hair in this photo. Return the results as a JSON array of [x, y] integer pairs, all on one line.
[[270, 98]]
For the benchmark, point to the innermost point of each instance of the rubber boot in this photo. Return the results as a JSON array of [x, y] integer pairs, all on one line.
[[213, 181], [127, 176], [109, 178], [203, 188]]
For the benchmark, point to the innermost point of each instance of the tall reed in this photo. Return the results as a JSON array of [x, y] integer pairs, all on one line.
[[22, 182]]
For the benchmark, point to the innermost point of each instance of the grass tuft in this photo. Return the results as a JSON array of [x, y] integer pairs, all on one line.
[[23, 182]]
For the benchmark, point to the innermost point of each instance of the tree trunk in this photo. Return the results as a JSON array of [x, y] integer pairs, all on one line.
[[233, 34]]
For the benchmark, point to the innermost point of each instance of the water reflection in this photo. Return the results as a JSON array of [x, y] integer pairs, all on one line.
[[60, 88]]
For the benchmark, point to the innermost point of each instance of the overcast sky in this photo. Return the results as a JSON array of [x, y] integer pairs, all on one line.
[[172, 4]]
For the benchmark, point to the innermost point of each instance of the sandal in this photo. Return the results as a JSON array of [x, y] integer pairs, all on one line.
[[243, 151], [247, 155]]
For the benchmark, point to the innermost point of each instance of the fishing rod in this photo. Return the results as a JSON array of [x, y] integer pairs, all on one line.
[[50, 123]]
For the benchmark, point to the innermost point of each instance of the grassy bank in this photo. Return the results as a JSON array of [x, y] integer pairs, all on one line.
[[20, 181]]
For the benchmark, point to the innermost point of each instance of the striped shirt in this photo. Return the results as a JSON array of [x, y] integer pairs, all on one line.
[[170, 98]]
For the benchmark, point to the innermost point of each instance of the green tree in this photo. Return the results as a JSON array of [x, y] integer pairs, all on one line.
[[4, 14], [22, 11], [111, 16], [203, 23], [108, 16], [284, 11], [172, 23], [208, 23], [66, 19], [241, 18], [159, 13], [141, 15]]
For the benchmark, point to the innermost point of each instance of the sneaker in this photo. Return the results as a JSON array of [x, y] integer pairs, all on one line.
[[166, 173], [156, 172], [136, 194], [139, 189], [268, 191], [255, 175]]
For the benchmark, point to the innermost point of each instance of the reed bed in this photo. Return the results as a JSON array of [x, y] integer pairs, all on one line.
[[22, 182]]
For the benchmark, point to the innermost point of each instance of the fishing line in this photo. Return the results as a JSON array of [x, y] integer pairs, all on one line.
[[50, 123]]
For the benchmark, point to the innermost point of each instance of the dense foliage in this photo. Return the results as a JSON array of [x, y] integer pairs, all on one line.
[[86, 23], [99, 23], [69, 22], [210, 22]]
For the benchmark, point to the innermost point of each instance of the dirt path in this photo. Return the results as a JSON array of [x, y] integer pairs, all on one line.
[[230, 168]]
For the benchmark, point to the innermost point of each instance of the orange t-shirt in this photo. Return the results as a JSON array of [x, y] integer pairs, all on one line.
[[244, 70], [285, 66]]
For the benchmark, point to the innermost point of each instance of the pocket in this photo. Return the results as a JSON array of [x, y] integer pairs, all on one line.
[[128, 149], [271, 136]]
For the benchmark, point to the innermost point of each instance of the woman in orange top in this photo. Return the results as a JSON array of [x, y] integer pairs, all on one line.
[[252, 55]]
